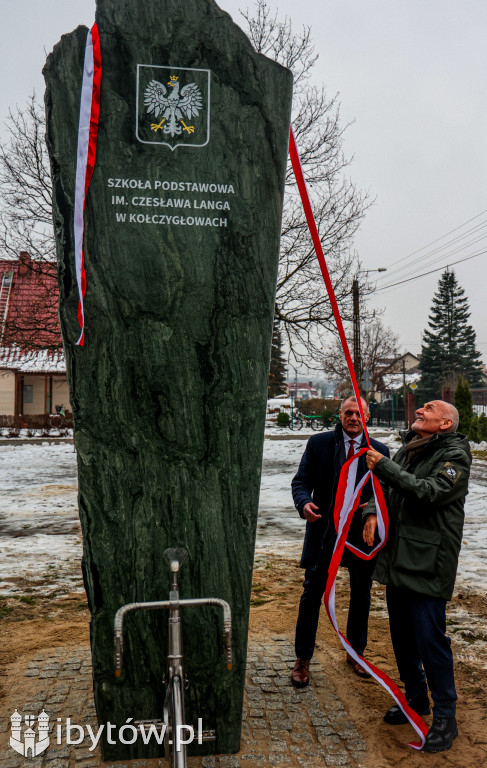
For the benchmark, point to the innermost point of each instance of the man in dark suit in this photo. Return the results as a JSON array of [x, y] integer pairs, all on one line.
[[314, 489]]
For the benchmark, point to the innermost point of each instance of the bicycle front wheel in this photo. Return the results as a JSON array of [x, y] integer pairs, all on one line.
[[316, 424], [177, 715], [297, 422]]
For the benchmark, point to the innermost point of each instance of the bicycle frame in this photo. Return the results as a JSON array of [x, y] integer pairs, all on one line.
[[173, 714]]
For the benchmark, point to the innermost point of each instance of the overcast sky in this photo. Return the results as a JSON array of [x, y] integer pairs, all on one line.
[[412, 76]]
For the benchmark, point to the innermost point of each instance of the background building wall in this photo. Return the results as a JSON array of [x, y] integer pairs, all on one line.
[[7, 393]]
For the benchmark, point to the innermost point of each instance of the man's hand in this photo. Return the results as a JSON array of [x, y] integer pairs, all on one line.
[[369, 529], [309, 514], [372, 458]]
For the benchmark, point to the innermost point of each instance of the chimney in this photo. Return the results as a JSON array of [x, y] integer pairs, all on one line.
[[24, 259]]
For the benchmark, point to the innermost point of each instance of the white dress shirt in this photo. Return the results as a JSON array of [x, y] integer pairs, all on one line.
[[357, 442]]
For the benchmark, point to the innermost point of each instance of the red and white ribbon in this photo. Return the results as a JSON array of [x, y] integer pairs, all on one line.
[[348, 496], [85, 160]]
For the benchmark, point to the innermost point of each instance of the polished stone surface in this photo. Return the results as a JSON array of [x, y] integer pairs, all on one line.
[[169, 390]]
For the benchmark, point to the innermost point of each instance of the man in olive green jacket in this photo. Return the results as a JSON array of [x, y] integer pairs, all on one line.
[[427, 483]]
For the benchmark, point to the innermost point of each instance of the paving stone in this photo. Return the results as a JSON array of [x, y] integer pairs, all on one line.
[[31, 707], [228, 761], [259, 759], [32, 673], [280, 665], [47, 673], [58, 699], [57, 763], [342, 759], [328, 738], [280, 725], [324, 733], [117, 765], [359, 745], [277, 745], [60, 753], [11, 762]]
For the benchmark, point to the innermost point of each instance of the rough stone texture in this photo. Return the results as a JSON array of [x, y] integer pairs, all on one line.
[[169, 391]]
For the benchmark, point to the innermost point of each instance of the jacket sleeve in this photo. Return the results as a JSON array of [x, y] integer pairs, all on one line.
[[446, 479], [302, 484]]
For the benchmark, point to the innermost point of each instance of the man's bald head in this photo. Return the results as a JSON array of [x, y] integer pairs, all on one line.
[[450, 413], [436, 417]]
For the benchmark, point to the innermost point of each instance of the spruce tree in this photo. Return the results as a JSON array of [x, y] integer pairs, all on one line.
[[449, 345], [464, 405], [277, 370]]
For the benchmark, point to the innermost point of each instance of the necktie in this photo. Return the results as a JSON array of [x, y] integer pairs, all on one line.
[[351, 450]]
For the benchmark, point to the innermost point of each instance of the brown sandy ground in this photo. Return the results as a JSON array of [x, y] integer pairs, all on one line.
[[29, 625]]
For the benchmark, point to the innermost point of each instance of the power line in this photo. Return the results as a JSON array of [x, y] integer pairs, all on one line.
[[440, 249], [431, 271], [455, 229], [425, 262]]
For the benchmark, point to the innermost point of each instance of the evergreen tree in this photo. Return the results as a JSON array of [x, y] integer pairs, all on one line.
[[449, 346], [277, 370], [482, 427], [464, 405]]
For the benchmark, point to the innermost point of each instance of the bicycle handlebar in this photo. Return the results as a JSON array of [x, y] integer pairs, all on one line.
[[159, 604]]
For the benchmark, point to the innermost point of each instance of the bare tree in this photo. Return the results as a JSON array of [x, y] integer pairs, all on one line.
[[302, 305], [26, 230], [379, 343], [25, 186]]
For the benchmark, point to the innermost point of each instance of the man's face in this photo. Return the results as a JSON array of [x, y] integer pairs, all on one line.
[[431, 419], [350, 417]]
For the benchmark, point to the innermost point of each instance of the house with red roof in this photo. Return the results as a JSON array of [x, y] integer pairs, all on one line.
[[32, 367]]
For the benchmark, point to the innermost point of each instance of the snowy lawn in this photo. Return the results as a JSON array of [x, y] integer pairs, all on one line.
[[40, 538]]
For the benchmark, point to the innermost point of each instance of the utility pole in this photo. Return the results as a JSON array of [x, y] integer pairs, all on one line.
[[357, 363], [357, 360]]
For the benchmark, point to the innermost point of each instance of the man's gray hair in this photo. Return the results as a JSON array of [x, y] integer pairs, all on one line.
[[354, 400], [451, 413]]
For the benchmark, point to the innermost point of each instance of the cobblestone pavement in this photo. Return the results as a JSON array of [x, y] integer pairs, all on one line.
[[281, 725]]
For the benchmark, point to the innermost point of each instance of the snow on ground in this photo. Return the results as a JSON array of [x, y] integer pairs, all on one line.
[[40, 537]]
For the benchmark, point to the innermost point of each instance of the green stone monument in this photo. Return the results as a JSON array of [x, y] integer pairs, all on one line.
[[181, 240]]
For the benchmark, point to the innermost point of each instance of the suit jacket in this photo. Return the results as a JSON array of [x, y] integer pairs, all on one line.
[[316, 480]]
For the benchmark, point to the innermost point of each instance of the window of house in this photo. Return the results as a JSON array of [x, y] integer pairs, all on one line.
[[7, 279], [28, 393]]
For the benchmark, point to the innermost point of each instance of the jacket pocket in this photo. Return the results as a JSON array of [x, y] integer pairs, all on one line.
[[417, 550]]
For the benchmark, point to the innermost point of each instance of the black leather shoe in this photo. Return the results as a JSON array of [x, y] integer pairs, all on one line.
[[395, 716], [441, 734]]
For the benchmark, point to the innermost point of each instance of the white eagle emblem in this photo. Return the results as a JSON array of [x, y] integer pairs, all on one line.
[[451, 472], [186, 102]]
